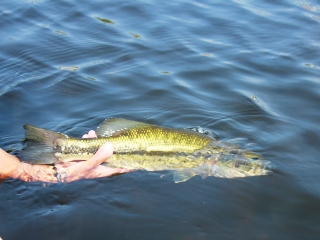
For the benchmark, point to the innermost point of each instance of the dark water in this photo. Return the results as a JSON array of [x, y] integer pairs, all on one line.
[[248, 70]]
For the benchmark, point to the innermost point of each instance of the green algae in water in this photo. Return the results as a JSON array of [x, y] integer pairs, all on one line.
[[135, 35], [104, 20], [60, 32], [69, 68]]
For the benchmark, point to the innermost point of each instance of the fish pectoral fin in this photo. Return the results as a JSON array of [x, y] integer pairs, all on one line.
[[217, 171], [182, 175], [113, 126]]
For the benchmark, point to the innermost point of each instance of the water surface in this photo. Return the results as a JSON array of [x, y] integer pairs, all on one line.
[[248, 70]]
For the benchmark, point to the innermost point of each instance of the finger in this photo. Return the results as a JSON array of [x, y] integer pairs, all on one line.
[[102, 171], [104, 152], [86, 169], [92, 134], [85, 136], [63, 165]]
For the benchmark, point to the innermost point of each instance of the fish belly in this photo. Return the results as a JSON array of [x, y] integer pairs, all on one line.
[[154, 161]]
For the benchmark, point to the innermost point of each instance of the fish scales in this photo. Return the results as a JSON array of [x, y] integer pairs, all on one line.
[[149, 141], [153, 162]]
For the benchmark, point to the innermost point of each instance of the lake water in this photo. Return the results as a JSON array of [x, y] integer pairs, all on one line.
[[247, 70]]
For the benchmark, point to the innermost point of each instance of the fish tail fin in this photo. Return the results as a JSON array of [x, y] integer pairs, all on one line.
[[39, 149]]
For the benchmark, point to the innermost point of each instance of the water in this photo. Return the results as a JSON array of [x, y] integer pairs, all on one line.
[[248, 70]]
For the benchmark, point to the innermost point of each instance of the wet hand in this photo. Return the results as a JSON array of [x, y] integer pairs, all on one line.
[[72, 171], [10, 166]]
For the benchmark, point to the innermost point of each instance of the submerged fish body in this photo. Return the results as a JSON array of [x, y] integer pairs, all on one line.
[[139, 145]]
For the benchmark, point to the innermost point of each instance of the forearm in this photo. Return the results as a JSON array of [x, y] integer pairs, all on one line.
[[8, 164]]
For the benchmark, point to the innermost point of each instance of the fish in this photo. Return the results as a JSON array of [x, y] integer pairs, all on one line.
[[142, 146]]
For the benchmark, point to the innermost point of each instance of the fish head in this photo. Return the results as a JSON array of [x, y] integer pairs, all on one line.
[[228, 165]]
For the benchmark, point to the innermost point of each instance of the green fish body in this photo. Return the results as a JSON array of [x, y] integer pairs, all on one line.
[[139, 145]]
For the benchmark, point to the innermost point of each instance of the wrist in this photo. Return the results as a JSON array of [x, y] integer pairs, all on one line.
[[8, 164], [22, 171]]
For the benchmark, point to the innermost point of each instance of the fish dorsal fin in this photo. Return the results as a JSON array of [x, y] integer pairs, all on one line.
[[114, 126]]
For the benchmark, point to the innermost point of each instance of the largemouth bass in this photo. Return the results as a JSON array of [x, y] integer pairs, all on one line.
[[140, 145]]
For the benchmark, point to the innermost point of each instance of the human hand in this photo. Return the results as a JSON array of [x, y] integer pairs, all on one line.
[[72, 171], [68, 172]]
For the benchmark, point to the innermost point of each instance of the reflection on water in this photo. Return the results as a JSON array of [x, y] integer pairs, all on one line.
[[248, 71]]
